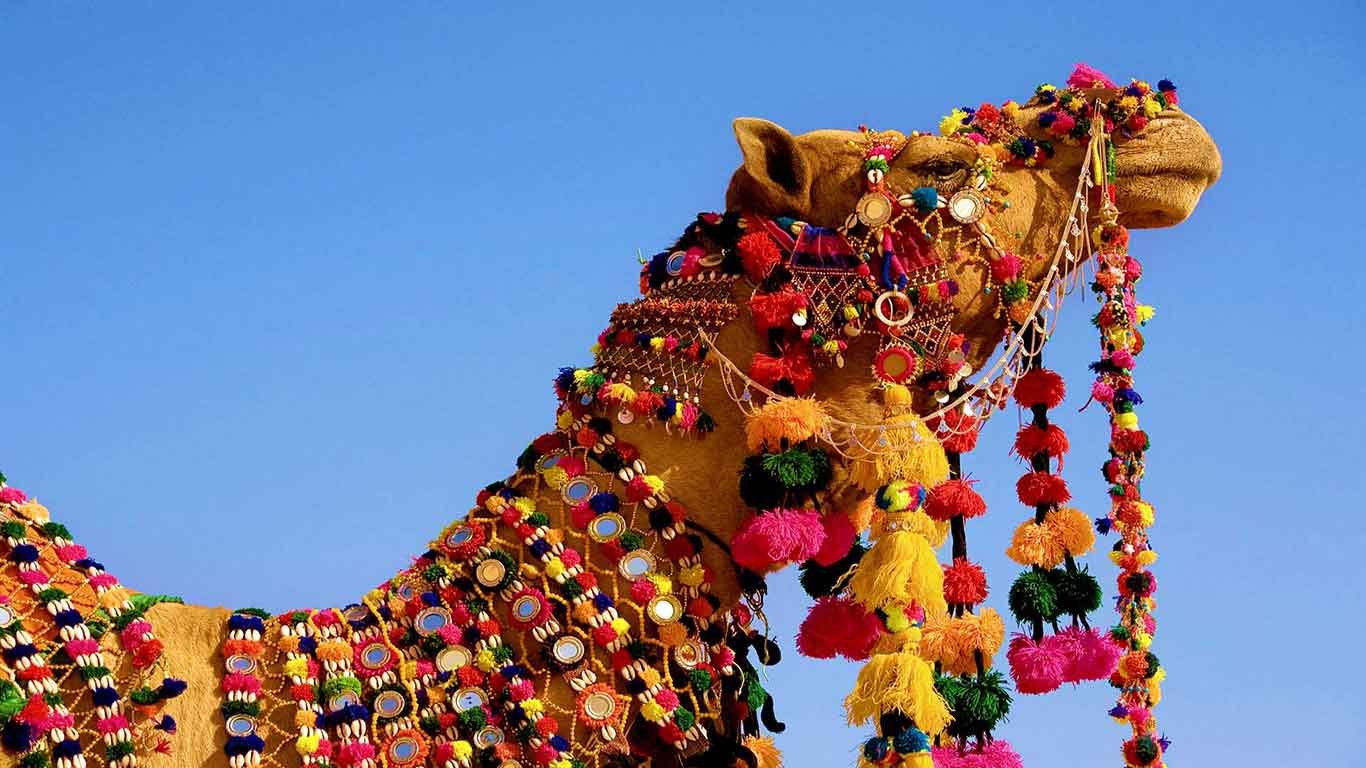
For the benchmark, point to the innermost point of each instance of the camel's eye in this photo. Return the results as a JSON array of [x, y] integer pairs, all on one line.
[[945, 174]]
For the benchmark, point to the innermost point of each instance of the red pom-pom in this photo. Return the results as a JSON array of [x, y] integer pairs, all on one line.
[[774, 310], [1129, 440], [758, 255], [795, 366], [1032, 440], [958, 431], [965, 583], [837, 626], [1036, 488], [1091, 655], [839, 537], [1035, 668], [1040, 387], [952, 498]]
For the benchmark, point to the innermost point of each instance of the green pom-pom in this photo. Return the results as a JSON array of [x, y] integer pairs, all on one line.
[[502, 653], [700, 679], [537, 519], [799, 469], [429, 725], [1015, 290], [56, 531], [12, 529], [1033, 598], [118, 750], [1145, 749], [434, 573], [982, 704], [341, 684], [755, 695], [11, 701], [474, 719], [1078, 591], [684, 719], [528, 458], [571, 589], [94, 672], [820, 581], [228, 708], [631, 540], [36, 759], [52, 594]]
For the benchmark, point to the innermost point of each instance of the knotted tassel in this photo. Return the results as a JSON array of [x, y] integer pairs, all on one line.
[[899, 681], [901, 567], [900, 448]]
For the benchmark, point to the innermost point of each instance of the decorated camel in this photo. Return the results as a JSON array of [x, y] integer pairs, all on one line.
[[799, 383]]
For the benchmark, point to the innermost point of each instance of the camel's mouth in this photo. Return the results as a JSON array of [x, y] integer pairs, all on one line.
[[1163, 171]]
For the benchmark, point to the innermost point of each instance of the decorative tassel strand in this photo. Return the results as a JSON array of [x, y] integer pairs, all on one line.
[[964, 642], [1139, 673]]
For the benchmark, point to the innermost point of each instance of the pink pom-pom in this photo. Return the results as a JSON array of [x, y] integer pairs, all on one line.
[[1122, 358], [1102, 656], [778, 537], [997, 754], [1006, 268], [12, 495], [71, 552], [839, 537], [1035, 667], [838, 626], [1102, 392], [33, 577], [572, 465], [103, 580], [1087, 76]]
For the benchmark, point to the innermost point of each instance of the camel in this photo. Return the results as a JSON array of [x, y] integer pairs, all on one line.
[[816, 178]]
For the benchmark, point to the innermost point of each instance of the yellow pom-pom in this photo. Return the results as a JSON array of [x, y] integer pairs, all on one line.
[[307, 745], [484, 660], [621, 392], [793, 419], [649, 676], [766, 754], [896, 395], [554, 567], [1073, 528], [663, 585], [691, 576], [304, 717], [1034, 544], [897, 622], [463, 749], [1146, 312], [622, 626], [555, 477], [897, 682], [564, 419], [33, 511], [1126, 420], [533, 706], [651, 711], [1147, 557], [296, 667], [951, 122], [654, 482]]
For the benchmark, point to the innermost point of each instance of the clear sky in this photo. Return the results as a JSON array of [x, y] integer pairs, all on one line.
[[284, 286]]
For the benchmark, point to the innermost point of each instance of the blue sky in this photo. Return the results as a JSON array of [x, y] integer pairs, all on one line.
[[284, 286]]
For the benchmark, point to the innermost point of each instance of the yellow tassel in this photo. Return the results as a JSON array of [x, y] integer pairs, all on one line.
[[900, 448], [935, 531], [793, 419], [900, 568], [898, 682], [766, 753]]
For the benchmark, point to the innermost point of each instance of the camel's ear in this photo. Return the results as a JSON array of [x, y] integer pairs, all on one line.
[[775, 164]]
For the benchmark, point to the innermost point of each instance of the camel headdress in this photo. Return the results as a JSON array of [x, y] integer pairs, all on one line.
[[798, 384]]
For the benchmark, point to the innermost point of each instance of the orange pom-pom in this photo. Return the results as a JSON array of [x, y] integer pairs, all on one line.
[[965, 583], [758, 254], [1036, 488], [1032, 440]]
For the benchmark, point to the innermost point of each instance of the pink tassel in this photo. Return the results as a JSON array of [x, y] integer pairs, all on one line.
[[1100, 654], [997, 754], [1036, 668], [778, 537]]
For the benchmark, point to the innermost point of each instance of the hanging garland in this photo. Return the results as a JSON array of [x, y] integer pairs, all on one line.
[[1139, 674]]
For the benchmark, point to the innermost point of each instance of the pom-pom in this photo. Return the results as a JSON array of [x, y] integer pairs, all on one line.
[[953, 641], [1078, 591], [766, 754], [1033, 598], [1073, 529], [978, 702], [839, 537], [1032, 440], [1087, 76], [1091, 654], [758, 254], [953, 498], [799, 470], [1035, 667], [837, 626], [965, 583], [775, 538], [1034, 488], [1040, 386], [997, 754], [1034, 544], [758, 487], [819, 580], [774, 310], [958, 431], [792, 419]]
